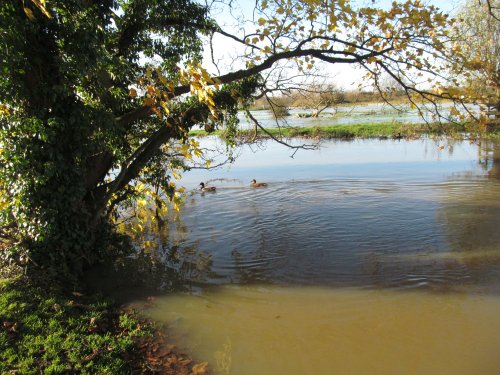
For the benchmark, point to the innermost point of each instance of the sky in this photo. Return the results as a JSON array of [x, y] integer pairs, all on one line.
[[226, 51], [444, 5]]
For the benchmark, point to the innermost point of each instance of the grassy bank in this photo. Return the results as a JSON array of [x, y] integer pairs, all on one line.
[[46, 330], [365, 130], [43, 330]]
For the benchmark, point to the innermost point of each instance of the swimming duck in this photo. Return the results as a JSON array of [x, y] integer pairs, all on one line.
[[204, 188], [257, 184]]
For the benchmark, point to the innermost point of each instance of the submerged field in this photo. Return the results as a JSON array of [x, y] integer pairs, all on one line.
[[357, 121], [360, 130]]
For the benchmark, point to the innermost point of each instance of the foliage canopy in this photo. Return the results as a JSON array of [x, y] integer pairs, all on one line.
[[97, 98], [477, 33]]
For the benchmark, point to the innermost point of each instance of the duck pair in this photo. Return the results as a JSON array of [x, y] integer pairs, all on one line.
[[254, 183]]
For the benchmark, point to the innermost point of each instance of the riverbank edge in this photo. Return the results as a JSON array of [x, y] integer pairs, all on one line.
[[383, 130], [45, 328]]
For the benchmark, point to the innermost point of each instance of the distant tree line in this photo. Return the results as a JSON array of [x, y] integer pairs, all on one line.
[[320, 99]]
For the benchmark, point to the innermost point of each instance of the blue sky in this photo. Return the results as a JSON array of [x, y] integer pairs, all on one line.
[[347, 77], [445, 5]]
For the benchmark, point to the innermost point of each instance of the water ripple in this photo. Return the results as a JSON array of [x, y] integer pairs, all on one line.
[[349, 231]]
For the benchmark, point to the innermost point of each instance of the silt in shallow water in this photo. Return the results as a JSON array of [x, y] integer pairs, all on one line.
[[309, 330]]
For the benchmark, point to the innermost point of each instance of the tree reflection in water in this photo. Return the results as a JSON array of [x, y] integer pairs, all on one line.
[[472, 219], [156, 265], [427, 229], [468, 216]]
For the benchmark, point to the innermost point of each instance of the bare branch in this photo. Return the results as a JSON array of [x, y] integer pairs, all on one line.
[[280, 141], [492, 9]]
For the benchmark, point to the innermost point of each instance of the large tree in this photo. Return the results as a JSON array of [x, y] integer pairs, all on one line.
[[477, 33], [94, 93]]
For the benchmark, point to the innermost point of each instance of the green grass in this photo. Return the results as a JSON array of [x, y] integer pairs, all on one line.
[[43, 330], [363, 130]]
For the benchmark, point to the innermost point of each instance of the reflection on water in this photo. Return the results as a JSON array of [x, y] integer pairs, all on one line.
[[344, 233], [373, 258], [311, 330], [411, 217]]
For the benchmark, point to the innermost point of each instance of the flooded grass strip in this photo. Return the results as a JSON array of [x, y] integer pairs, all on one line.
[[367, 130]]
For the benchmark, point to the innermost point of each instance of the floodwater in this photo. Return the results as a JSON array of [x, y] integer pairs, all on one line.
[[363, 257], [346, 115], [319, 330]]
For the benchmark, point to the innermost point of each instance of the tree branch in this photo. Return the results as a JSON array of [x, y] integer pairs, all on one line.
[[145, 111], [492, 9], [296, 148], [134, 115]]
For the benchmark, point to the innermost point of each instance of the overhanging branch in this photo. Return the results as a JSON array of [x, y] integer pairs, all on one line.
[[280, 141], [145, 111]]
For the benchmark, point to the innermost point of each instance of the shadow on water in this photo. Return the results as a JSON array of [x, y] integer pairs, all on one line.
[[156, 267]]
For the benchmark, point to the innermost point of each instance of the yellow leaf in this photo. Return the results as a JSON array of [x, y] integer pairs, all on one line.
[[29, 13], [165, 108], [201, 95], [262, 21], [4, 110], [132, 92], [210, 101], [149, 101], [41, 5]]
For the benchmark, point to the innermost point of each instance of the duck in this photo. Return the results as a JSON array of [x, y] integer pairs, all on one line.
[[257, 184], [205, 189]]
